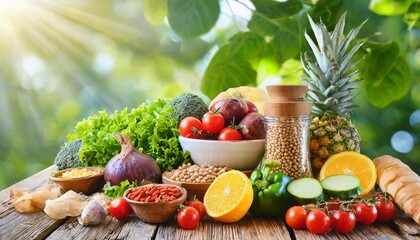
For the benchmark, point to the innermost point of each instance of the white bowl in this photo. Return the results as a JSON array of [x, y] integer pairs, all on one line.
[[240, 155]]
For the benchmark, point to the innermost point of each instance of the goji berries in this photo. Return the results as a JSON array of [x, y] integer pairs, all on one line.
[[154, 193]]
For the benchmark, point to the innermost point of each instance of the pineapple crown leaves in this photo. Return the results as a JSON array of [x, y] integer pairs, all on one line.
[[332, 78]]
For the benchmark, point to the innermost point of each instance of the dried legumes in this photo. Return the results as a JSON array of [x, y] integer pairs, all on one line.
[[196, 174], [80, 172], [287, 142], [154, 193]]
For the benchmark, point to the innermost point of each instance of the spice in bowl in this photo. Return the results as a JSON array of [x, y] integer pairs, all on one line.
[[155, 203], [196, 174], [154, 193], [80, 172]]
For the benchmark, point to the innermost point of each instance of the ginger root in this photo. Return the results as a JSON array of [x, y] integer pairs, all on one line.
[[401, 182]]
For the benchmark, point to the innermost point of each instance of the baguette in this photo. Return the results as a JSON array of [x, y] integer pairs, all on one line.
[[402, 183]]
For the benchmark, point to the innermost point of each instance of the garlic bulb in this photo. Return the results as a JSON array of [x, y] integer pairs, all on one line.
[[93, 214]]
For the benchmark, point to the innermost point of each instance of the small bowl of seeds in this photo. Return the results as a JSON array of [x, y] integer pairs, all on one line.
[[195, 179], [86, 180]]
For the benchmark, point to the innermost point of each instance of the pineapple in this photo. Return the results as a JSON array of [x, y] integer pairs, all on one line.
[[331, 81]]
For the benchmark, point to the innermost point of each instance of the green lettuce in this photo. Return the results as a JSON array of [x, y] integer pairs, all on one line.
[[117, 190], [148, 126]]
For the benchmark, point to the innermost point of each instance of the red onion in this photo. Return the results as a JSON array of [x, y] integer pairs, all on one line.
[[131, 165]]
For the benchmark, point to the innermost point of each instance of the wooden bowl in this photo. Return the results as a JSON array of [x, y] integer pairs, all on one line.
[[197, 189], [156, 212], [86, 185]]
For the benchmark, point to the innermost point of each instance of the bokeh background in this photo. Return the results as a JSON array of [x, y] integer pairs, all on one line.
[[63, 60]]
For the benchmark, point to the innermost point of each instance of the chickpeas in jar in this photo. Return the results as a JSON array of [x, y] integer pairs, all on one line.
[[288, 143], [286, 123]]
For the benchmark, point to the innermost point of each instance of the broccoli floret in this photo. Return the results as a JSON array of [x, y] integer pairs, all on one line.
[[68, 156], [188, 105]]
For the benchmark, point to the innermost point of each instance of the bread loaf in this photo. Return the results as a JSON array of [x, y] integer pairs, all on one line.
[[397, 179]]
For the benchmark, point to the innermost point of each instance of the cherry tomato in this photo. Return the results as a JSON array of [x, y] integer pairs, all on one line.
[[318, 222], [197, 204], [383, 196], [386, 210], [365, 214], [251, 106], [190, 127], [213, 122], [332, 205], [119, 208], [229, 134], [188, 218], [343, 221], [296, 217]]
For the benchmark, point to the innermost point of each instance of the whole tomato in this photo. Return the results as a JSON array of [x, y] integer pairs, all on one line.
[[197, 204], [385, 207], [343, 221], [119, 208], [188, 218], [318, 222], [190, 127], [296, 217], [229, 134], [365, 214], [213, 122]]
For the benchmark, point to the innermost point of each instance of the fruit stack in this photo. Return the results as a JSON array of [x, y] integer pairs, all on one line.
[[287, 129]]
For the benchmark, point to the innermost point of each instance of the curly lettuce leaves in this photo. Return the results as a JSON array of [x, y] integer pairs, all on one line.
[[148, 126]]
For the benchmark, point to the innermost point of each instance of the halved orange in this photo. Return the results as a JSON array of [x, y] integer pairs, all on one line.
[[229, 197], [352, 163]]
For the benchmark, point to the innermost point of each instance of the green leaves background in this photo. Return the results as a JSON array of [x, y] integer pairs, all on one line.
[[275, 34], [386, 75]]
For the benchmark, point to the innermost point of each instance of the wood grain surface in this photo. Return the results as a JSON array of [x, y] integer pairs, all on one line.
[[15, 225]]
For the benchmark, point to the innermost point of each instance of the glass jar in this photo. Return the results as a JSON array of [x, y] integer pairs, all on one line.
[[287, 141]]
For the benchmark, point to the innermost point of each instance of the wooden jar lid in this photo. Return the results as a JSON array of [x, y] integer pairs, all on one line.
[[286, 109], [285, 93]]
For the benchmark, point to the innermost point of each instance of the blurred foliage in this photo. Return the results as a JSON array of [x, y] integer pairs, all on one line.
[[62, 61]]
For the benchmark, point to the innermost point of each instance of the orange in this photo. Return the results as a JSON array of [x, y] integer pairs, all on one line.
[[352, 163], [229, 197]]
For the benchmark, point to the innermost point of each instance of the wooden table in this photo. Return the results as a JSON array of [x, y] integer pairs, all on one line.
[[15, 225]]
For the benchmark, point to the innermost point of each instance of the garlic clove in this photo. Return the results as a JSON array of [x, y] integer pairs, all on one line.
[[93, 214], [102, 199]]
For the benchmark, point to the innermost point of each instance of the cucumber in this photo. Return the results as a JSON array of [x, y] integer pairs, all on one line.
[[305, 190], [341, 186]]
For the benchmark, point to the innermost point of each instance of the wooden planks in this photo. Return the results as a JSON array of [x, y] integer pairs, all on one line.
[[130, 228], [15, 225], [247, 228], [381, 231], [405, 226]]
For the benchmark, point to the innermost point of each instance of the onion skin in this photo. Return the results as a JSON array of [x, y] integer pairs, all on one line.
[[131, 165], [252, 127], [232, 109]]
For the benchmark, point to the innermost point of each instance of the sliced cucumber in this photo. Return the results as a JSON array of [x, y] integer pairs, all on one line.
[[341, 186], [306, 190]]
